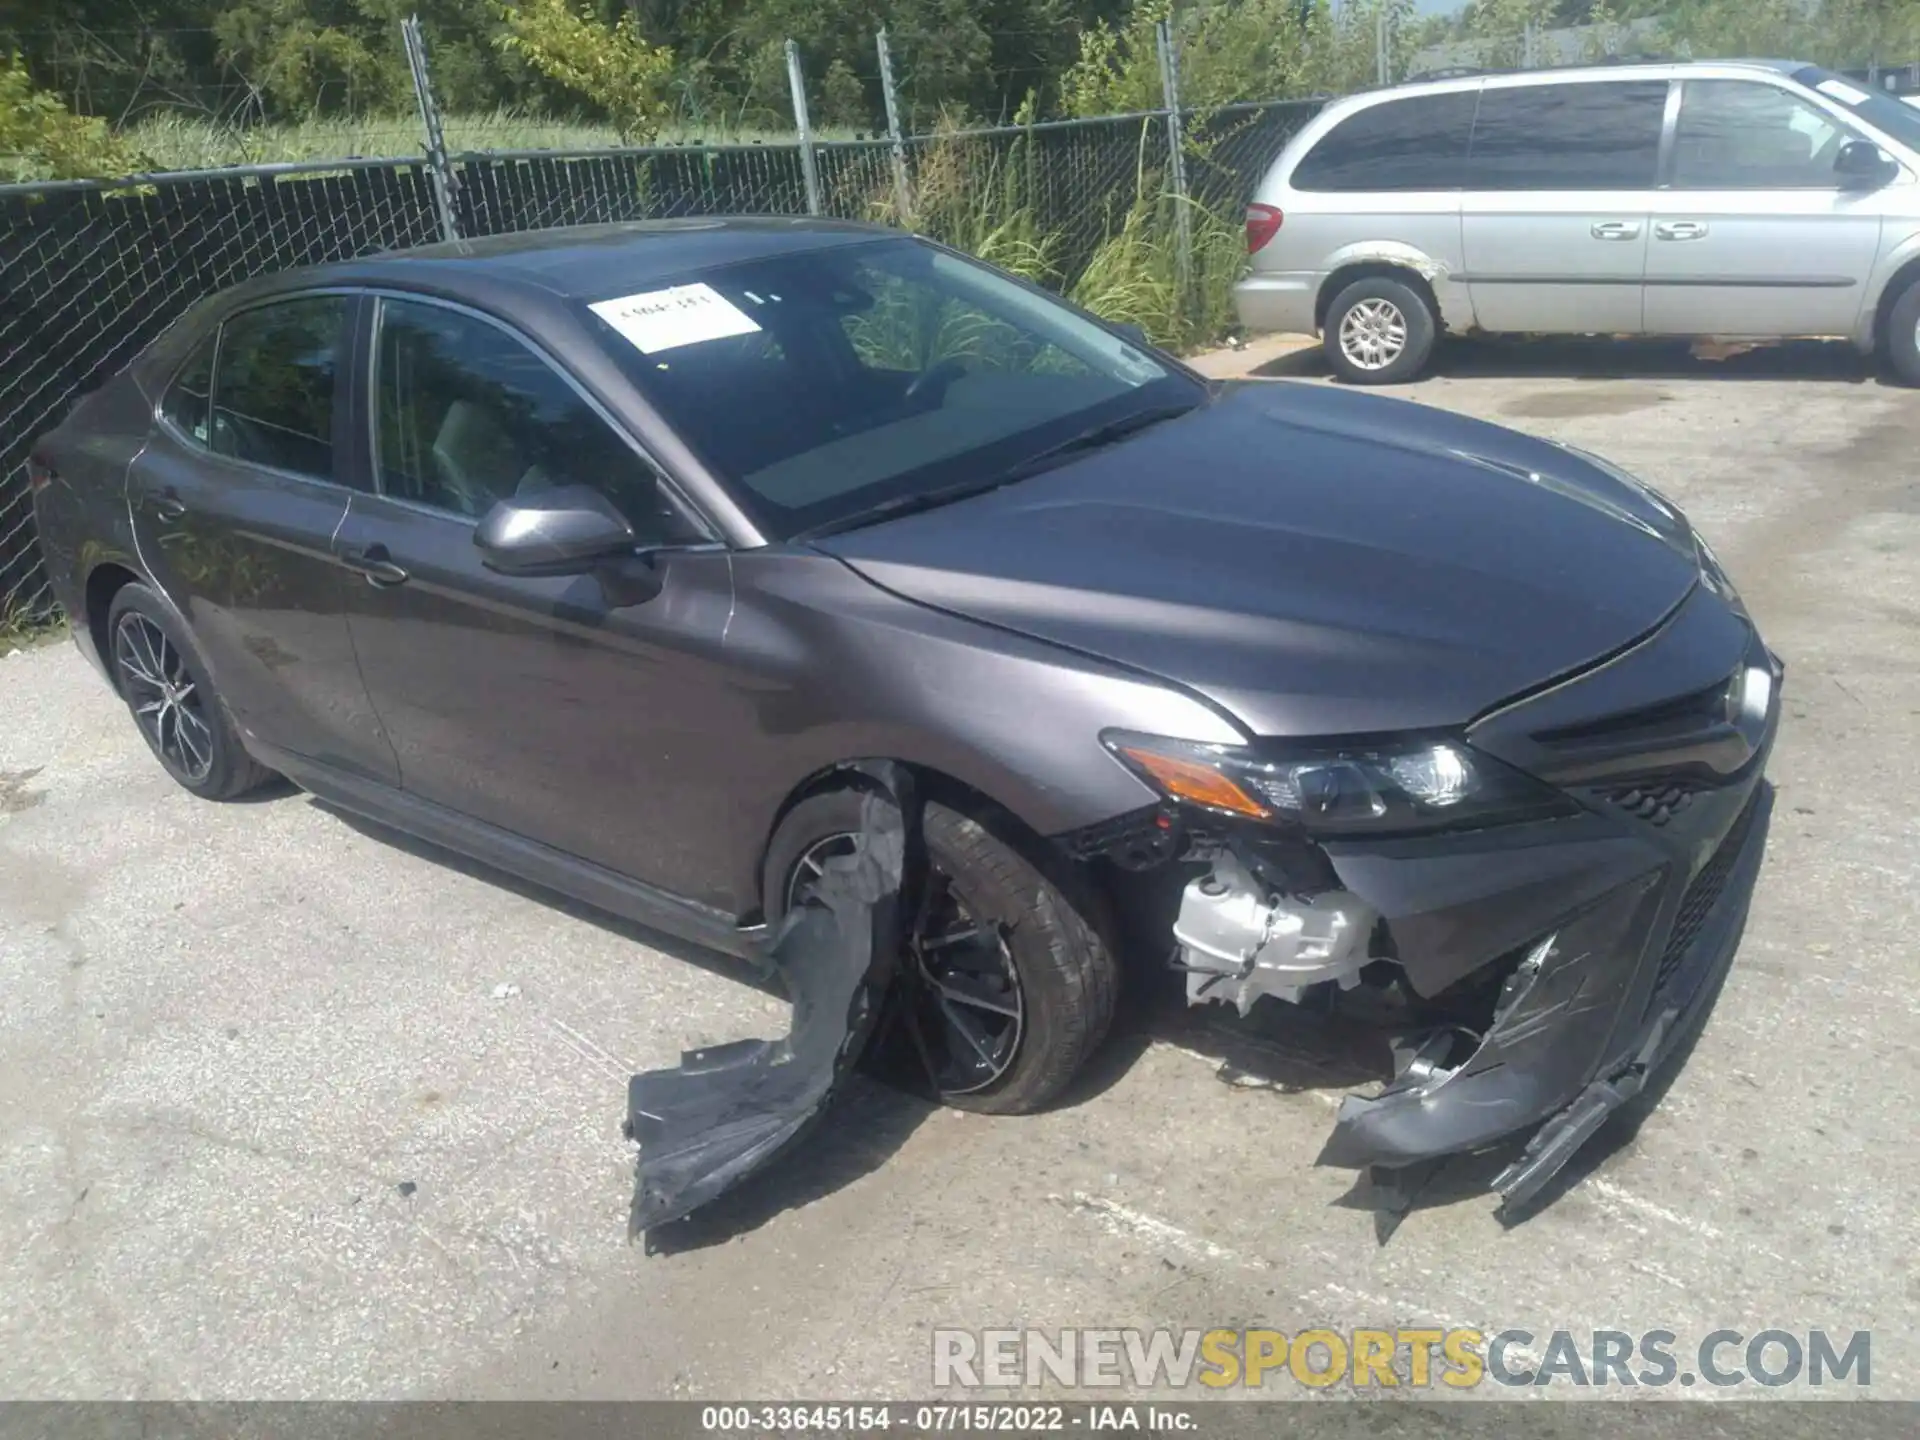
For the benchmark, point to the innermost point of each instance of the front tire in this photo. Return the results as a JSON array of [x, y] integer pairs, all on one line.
[[1903, 335], [1379, 331], [1010, 989], [173, 704]]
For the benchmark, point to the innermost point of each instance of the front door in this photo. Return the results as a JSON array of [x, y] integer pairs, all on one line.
[[235, 502], [539, 706], [1554, 219], [1754, 236]]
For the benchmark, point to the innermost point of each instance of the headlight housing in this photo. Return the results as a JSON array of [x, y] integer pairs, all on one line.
[[1400, 786]]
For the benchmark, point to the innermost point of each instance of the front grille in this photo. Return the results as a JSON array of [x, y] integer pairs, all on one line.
[[1654, 801], [1699, 901], [1681, 715]]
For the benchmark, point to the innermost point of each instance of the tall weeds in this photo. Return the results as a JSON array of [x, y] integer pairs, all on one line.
[[1116, 255]]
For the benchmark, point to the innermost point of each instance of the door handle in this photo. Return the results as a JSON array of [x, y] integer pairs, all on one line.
[[1679, 230], [1616, 230], [376, 564], [166, 505]]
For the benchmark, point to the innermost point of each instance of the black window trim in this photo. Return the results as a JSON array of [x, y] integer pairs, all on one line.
[[368, 383], [1772, 81], [343, 356]]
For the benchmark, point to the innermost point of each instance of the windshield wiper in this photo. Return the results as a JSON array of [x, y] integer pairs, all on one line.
[[1096, 437], [899, 505], [1092, 438]]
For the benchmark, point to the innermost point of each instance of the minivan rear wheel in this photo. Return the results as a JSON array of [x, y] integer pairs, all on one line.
[[1379, 331], [1009, 988], [1903, 335]]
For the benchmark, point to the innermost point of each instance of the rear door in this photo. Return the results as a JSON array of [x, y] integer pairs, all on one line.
[[540, 706], [235, 501], [1554, 221], [1754, 235]]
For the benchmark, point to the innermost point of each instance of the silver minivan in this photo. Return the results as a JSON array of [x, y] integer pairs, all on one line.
[[1734, 199]]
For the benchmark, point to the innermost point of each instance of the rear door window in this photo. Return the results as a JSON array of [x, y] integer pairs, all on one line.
[[273, 398], [1590, 136], [1743, 135], [1419, 143]]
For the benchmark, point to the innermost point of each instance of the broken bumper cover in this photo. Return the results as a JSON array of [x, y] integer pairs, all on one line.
[[1594, 1006], [1615, 926]]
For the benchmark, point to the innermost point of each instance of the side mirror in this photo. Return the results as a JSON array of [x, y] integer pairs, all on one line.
[[568, 530], [1861, 166], [1135, 334]]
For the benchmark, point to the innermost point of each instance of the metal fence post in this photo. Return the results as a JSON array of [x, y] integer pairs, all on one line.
[[1176, 156], [439, 168], [796, 82], [1382, 55], [902, 196]]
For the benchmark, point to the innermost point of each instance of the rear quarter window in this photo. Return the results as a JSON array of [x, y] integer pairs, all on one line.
[[1418, 143], [188, 399]]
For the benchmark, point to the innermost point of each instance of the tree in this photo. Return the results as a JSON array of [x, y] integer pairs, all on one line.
[[611, 66], [40, 139]]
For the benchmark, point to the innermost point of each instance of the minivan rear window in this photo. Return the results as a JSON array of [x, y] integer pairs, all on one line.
[[1570, 136], [1418, 143]]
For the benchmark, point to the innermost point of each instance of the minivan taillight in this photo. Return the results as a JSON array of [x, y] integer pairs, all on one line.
[[39, 475], [1263, 223]]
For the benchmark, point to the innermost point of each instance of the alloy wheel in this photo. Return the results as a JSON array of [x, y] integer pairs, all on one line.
[[1373, 334], [962, 1003], [167, 703]]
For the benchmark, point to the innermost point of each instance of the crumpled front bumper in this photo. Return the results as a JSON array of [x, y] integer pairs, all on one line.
[[1595, 1006], [1617, 925]]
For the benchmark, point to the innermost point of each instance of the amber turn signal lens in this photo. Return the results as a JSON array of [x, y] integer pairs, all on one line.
[[1191, 780]]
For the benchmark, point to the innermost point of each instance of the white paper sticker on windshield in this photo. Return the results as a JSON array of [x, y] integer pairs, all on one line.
[[1843, 92], [657, 320]]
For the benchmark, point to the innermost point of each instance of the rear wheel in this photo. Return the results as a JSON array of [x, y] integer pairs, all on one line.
[[1379, 331], [1903, 335], [1007, 989], [172, 701]]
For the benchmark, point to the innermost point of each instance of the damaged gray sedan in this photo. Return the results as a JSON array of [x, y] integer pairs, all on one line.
[[626, 558]]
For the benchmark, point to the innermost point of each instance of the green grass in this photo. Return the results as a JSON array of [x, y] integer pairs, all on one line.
[[22, 628], [185, 142]]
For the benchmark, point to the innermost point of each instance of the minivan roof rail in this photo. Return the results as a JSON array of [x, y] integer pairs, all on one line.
[[1462, 72]]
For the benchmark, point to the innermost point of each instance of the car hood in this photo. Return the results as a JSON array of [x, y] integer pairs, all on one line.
[[1314, 561]]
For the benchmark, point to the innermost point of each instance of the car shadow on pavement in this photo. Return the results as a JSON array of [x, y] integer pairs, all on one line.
[[856, 1134], [1596, 358]]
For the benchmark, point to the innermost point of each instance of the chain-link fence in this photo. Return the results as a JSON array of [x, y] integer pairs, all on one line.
[[91, 272]]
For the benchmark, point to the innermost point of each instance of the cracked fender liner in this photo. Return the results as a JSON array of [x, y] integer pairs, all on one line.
[[725, 1112]]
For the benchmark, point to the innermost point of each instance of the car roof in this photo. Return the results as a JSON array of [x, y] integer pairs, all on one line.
[[582, 262], [1468, 78]]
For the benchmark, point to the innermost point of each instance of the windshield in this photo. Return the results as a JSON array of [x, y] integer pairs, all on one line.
[[853, 378], [1880, 110]]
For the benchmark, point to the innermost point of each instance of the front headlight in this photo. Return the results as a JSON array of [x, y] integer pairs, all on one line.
[[1401, 786]]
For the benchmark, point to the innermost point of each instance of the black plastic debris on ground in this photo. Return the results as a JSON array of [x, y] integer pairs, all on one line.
[[728, 1110]]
